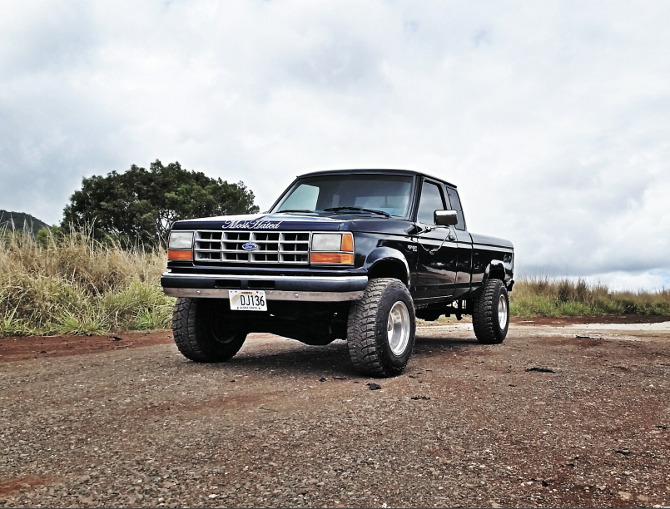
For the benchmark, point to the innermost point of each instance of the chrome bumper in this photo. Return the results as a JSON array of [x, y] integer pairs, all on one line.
[[277, 288]]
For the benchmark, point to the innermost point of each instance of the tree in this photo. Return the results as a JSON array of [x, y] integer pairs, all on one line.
[[139, 206]]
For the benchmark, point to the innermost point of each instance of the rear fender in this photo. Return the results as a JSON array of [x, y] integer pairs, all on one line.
[[495, 270]]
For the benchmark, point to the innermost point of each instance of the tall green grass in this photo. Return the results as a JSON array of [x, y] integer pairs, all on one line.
[[564, 297], [71, 284]]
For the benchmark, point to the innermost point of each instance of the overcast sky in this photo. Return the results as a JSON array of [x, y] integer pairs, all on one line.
[[553, 118]]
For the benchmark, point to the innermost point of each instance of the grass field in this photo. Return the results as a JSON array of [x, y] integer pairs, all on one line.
[[563, 297], [74, 285]]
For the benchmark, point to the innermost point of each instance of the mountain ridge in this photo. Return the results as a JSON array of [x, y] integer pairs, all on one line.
[[20, 221]]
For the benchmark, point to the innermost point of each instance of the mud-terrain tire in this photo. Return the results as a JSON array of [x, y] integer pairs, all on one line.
[[200, 331], [490, 315], [381, 328]]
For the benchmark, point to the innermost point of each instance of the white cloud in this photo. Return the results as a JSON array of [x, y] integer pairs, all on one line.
[[551, 117]]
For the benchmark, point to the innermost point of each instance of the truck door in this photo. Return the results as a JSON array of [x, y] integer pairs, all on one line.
[[437, 248], [465, 251]]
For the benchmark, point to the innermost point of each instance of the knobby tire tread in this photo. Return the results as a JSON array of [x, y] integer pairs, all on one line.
[[184, 328], [484, 315], [363, 346], [364, 351], [192, 337]]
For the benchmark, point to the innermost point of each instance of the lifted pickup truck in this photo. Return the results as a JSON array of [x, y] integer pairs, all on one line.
[[350, 254]]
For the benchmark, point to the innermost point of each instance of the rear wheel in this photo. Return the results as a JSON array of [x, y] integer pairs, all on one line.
[[201, 332], [381, 328], [490, 315]]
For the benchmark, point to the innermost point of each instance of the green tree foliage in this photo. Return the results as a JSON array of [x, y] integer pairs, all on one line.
[[139, 206]]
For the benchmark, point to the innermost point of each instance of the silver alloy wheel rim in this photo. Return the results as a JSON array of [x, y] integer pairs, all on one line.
[[398, 328], [502, 312]]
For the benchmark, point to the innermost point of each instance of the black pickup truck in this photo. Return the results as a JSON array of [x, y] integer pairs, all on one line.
[[349, 254]]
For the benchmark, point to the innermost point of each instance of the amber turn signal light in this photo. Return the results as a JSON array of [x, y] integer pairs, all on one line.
[[347, 242], [181, 255], [338, 258]]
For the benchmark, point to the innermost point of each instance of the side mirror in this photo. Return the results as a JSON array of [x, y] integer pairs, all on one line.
[[446, 217]]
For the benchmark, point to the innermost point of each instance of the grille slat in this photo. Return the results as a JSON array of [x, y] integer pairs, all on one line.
[[273, 247]]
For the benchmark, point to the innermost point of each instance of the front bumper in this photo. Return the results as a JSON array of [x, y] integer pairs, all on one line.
[[279, 288]]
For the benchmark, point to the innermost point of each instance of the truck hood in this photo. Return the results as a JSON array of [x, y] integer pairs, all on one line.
[[293, 222]]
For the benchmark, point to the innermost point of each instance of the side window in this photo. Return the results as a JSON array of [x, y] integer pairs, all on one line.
[[431, 200], [456, 205]]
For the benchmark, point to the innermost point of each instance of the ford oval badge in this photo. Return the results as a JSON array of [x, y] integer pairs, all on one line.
[[250, 246]]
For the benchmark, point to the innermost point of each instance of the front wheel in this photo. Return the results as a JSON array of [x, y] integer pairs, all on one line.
[[381, 328], [490, 315], [202, 333]]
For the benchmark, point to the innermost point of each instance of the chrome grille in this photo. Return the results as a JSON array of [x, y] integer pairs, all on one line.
[[271, 247]]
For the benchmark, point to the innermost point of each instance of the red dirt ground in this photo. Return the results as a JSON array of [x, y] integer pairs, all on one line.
[[32, 347]]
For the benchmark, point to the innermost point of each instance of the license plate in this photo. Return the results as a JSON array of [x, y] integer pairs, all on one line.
[[247, 300]]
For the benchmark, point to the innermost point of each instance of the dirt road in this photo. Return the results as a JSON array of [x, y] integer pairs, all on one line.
[[557, 416]]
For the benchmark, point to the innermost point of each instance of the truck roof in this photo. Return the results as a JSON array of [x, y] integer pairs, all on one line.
[[373, 171]]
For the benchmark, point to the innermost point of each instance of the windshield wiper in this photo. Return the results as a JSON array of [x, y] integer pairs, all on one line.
[[302, 211], [358, 209]]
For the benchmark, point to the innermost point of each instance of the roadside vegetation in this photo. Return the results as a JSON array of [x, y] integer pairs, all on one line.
[[99, 270], [70, 283], [545, 297]]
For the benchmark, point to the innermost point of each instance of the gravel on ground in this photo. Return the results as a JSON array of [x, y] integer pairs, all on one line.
[[562, 414]]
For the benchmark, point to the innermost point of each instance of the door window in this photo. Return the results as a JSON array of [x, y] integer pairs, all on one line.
[[431, 200], [456, 205]]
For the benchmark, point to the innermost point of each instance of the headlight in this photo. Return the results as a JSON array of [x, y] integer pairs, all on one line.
[[181, 240], [180, 246], [327, 242], [332, 248]]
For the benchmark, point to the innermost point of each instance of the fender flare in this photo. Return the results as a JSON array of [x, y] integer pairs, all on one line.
[[496, 270], [387, 255]]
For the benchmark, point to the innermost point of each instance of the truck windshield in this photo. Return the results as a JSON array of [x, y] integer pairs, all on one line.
[[386, 194]]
